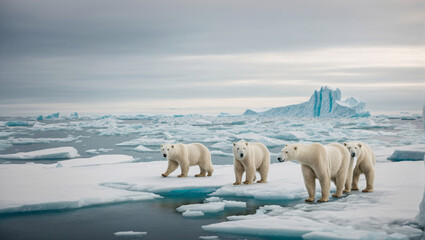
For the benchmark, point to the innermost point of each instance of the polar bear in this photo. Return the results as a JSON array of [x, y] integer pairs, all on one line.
[[187, 155], [249, 158], [365, 165], [326, 163]]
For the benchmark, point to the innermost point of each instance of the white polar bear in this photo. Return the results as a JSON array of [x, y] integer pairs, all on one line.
[[365, 165], [326, 163], [187, 155], [249, 158]]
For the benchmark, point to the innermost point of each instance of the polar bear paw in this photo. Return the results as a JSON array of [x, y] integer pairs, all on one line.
[[323, 200]]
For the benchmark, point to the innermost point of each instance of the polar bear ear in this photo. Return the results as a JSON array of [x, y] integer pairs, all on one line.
[[295, 148], [246, 143], [360, 145], [286, 145], [345, 144], [234, 144], [162, 145], [172, 146]]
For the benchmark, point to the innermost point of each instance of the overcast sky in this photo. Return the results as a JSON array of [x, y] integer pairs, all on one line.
[[137, 56]]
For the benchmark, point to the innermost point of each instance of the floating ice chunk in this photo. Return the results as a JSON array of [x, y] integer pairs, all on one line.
[[234, 204], [211, 207], [100, 150], [222, 145], [220, 153], [25, 141], [208, 237], [142, 148], [131, 234], [53, 116], [39, 118], [403, 155], [213, 199], [193, 213], [145, 141], [19, 124], [50, 153]]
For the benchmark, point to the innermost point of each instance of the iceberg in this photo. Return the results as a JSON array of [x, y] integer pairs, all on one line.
[[50, 153], [74, 115], [403, 155], [325, 103], [53, 116]]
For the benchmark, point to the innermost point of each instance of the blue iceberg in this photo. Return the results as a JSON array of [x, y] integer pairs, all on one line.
[[325, 103]]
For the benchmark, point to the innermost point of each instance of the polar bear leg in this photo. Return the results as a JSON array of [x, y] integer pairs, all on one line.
[[356, 176], [250, 175], [310, 182], [239, 169], [202, 173], [184, 166], [172, 165], [370, 178], [325, 184], [339, 182], [264, 171]]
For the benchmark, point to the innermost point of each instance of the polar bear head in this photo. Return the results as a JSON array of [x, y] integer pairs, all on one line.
[[240, 149], [354, 148], [167, 150], [288, 153]]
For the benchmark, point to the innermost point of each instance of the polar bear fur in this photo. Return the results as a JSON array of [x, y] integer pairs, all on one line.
[[187, 155], [249, 158], [365, 165], [326, 163]]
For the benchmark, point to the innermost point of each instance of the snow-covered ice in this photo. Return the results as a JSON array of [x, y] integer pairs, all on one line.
[[51, 153], [142, 148]]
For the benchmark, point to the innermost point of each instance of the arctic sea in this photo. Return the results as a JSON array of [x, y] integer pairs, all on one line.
[[138, 137]]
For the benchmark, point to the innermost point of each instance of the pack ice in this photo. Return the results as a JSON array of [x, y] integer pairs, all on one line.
[[323, 103]]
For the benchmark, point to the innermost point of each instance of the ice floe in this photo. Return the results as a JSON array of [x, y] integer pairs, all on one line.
[[130, 234], [50, 153]]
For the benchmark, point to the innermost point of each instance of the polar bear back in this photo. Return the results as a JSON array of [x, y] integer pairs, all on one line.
[[197, 152], [337, 156], [366, 155], [258, 153]]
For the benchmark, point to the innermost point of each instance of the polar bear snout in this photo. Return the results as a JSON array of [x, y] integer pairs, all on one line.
[[165, 155], [280, 159], [353, 154], [241, 155]]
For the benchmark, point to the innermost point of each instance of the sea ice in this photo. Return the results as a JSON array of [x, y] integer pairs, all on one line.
[[211, 207], [53, 116], [19, 124], [50, 153], [193, 213]]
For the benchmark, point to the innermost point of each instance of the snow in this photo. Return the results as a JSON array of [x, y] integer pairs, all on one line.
[[398, 189], [221, 153], [130, 234], [144, 141], [50, 153], [323, 103], [403, 155], [192, 213]]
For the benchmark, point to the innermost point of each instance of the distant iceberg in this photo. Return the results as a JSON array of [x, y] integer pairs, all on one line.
[[325, 103]]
